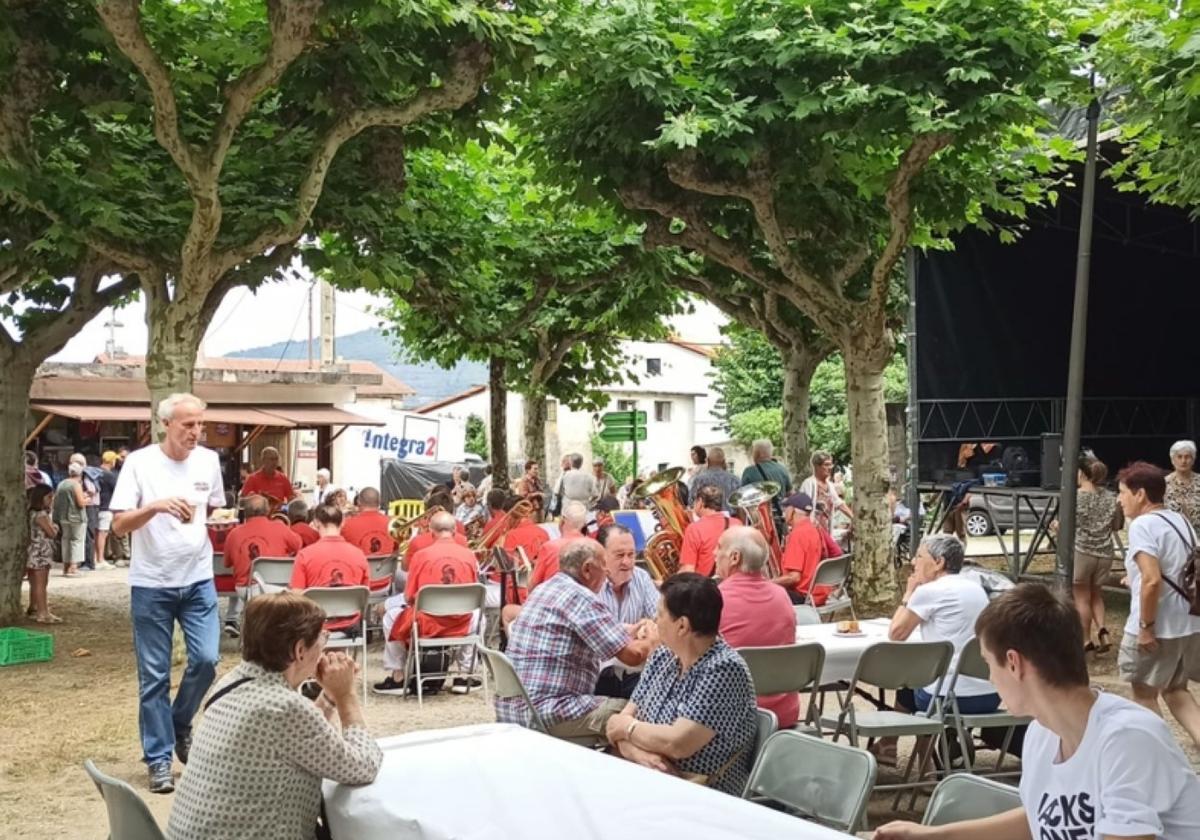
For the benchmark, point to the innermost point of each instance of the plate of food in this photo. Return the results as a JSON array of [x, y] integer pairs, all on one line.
[[848, 629]]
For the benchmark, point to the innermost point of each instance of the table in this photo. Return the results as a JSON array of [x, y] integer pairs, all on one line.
[[501, 781], [842, 653]]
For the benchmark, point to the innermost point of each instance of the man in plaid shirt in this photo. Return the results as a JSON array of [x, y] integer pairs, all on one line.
[[560, 639]]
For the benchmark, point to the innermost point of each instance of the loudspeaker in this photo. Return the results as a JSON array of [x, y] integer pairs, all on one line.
[[1052, 460]]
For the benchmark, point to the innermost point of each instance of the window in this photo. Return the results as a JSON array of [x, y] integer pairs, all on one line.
[[662, 411], [626, 405], [654, 367]]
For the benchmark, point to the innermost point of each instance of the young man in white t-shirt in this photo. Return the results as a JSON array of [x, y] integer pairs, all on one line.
[[1160, 651], [940, 605], [1095, 766], [163, 496]]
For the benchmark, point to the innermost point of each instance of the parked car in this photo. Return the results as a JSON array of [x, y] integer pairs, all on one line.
[[990, 513]]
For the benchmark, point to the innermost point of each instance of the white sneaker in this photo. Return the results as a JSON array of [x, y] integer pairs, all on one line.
[[104, 564]]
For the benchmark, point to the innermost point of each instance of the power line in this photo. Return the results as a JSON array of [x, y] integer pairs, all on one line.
[[296, 323]]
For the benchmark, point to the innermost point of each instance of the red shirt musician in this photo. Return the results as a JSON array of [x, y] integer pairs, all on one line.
[[331, 561], [298, 516], [699, 550], [268, 480], [803, 551], [258, 536], [545, 565], [368, 529]]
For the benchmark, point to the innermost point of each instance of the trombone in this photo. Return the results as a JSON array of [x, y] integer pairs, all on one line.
[[754, 502]]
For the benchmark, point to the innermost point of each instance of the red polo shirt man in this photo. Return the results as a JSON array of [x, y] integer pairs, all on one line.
[[298, 516], [268, 480], [755, 612], [802, 552], [545, 565], [368, 529], [700, 537], [331, 560], [258, 536]]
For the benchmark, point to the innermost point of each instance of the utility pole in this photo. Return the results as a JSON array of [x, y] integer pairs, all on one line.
[[110, 346], [310, 325], [327, 325]]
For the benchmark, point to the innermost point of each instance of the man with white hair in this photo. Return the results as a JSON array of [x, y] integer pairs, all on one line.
[[163, 496], [268, 480], [715, 474], [756, 612], [545, 565], [766, 468]]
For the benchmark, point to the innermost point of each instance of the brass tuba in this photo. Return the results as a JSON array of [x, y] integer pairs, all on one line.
[[663, 548], [754, 503]]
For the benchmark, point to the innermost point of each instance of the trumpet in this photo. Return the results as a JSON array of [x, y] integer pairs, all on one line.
[[754, 502], [488, 540], [403, 530], [663, 548]]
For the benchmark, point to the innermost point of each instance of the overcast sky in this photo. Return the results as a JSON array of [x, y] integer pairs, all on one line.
[[279, 311]]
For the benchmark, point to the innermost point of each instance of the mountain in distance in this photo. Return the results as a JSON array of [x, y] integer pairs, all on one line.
[[428, 380]]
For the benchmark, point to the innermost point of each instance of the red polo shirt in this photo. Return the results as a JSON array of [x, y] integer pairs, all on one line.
[[369, 531], [491, 531], [802, 553], [277, 486], [527, 536], [308, 534], [330, 561], [442, 563], [545, 566], [424, 540], [700, 541], [259, 536], [757, 613]]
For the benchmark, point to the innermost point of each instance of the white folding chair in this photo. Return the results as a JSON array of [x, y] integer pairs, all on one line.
[[787, 669], [972, 664], [339, 602], [890, 666], [960, 797], [767, 725], [129, 818], [382, 581], [813, 779], [270, 573], [832, 572], [445, 600], [508, 686], [806, 615]]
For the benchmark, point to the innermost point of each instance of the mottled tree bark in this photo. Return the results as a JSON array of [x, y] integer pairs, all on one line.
[[498, 422], [799, 364]]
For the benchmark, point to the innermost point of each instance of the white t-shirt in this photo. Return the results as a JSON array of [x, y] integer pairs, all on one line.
[[948, 608], [1127, 779], [1151, 534], [165, 551]]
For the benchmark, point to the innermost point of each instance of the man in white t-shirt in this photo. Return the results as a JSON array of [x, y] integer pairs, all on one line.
[[1095, 766], [163, 496], [941, 605], [1160, 651]]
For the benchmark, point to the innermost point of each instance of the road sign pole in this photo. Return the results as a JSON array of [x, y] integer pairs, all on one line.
[[635, 472]]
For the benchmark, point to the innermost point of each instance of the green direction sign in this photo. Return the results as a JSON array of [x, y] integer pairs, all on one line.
[[625, 435], [623, 419]]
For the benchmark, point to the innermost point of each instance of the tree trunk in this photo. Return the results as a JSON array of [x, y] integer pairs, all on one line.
[[874, 579], [799, 364], [498, 422], [15, 385], [535, 429], [176, 329]]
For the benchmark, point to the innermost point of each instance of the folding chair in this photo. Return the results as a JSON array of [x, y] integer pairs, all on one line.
[[768, 725], [813, 779], [508, 686], [271, 571], [223, 576], [443, 600], [972, 664], [339, 602], [128, 816], [890, 666], [806, 615], [961, 797], [382, 579], [832, 572], [787, 669]]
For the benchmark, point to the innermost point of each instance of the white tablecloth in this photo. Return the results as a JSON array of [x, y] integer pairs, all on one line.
[[500, 781], [841, 652]]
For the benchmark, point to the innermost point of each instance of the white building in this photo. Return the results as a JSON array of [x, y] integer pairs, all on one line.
[[672, 386]]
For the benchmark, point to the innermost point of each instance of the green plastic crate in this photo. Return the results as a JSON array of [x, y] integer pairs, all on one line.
[[18, 646]]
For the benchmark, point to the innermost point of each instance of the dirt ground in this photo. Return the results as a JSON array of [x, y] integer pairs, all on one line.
[[55, 715]]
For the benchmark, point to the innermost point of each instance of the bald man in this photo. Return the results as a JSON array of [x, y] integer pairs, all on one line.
[[268, 480], [368, 529], [442, 563]]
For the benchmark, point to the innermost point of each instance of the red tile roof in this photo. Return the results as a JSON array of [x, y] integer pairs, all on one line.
[[451, 400]]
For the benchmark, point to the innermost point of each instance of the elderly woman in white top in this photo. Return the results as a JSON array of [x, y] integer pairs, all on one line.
[[262, 748], [1183, 485]]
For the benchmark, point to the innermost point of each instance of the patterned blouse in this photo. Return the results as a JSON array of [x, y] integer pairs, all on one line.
[[41, 547], [1185, 498], [717, 693], [256, 765], [1094, 511]]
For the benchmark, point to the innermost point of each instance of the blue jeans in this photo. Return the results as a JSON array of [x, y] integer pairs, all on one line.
[[919, 701], [155, 612]]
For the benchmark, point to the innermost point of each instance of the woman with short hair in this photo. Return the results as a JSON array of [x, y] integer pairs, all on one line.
[[693, 711], [1183, 484], [262, 749]]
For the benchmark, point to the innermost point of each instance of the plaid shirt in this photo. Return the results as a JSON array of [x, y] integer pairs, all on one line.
[[556, 645]]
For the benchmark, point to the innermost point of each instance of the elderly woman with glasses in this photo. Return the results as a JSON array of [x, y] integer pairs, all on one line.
[[1183, 484], [693, 711], [262, 749]]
